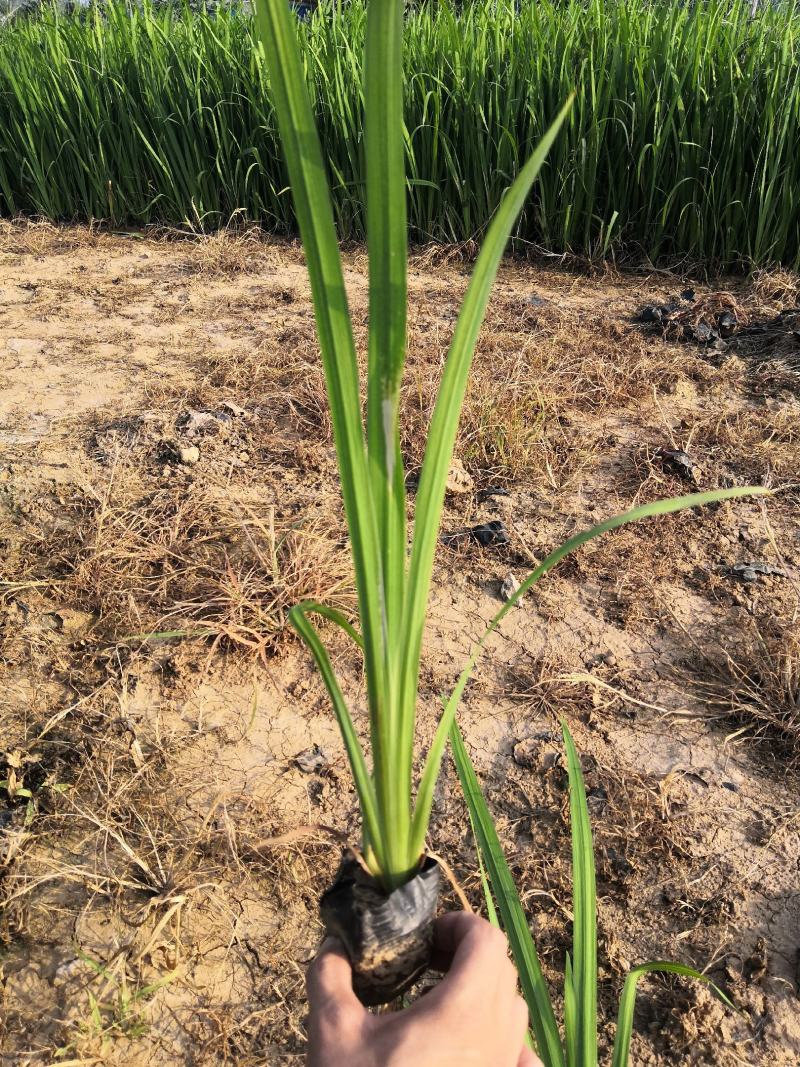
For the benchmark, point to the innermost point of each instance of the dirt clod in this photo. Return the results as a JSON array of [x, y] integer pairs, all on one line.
[[508, 587], [490, 534], [750, 572], [678, 461], [313, 760]]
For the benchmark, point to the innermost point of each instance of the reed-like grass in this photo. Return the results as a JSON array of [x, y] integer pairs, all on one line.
[[682, 141], [575, 1043]]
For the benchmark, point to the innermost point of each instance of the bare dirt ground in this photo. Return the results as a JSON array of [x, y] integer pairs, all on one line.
[[168, 491]]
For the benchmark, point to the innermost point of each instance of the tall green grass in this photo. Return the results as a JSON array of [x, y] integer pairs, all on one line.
[[682, 141]]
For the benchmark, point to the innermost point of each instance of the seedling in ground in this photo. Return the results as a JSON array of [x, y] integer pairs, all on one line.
[[578, 1046]]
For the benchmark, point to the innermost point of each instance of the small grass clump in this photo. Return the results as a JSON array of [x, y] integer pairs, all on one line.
[[754, 685]]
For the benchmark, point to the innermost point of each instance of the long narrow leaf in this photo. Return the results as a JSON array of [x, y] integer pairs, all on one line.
[[570, 1015], [658, 507], [361, 776], [627, 1002], [314, 607], [491, 907], [584, 907], [444, 423], [534, 987], [311, 195], [488, 897], [387, 246]]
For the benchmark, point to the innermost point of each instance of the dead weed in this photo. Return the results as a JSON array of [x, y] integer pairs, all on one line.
[[187, 558]]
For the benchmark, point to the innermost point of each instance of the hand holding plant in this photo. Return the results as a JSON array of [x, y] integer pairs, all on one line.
[[473, 1016], [383, 904]]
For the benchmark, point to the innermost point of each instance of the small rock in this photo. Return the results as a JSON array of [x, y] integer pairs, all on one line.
[[727, 323], [550, 759], [458, 479], [313, 760], [193, 423], [596, 801], [609, 659], [490, 534], [509, 587], [689, 295], [244, 457], [678, 461], [749, 572], [487, 534], [703, 333], [755, 966], [51, 620], [188, 454]]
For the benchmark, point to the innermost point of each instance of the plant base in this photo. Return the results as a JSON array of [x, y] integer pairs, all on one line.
[[388, 936]]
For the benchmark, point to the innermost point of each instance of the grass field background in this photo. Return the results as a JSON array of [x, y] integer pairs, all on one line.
[[682, 141]]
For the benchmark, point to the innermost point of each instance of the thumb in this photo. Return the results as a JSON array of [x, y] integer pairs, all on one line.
[[330, 983], [528, 1059]]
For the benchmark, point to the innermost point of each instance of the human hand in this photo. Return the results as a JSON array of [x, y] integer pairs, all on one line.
[[473, 1018]]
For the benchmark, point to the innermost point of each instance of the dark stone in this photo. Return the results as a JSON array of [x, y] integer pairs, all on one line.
[[313, 760], [678, 461], [490, 534], [704, 334], [749, 572]]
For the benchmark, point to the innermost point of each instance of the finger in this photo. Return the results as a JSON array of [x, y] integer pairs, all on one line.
[[528, 1058], [508, 981], [450, 932], [329, 980], [479, 959]]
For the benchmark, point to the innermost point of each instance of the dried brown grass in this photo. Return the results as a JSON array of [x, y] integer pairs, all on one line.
[[231, 252], [754, 684], [757, 445], [36, 237], [188, 557], [131, 882], [778, 288]]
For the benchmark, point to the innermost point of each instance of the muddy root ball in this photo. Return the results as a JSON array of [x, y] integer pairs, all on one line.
[[388, 936]]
